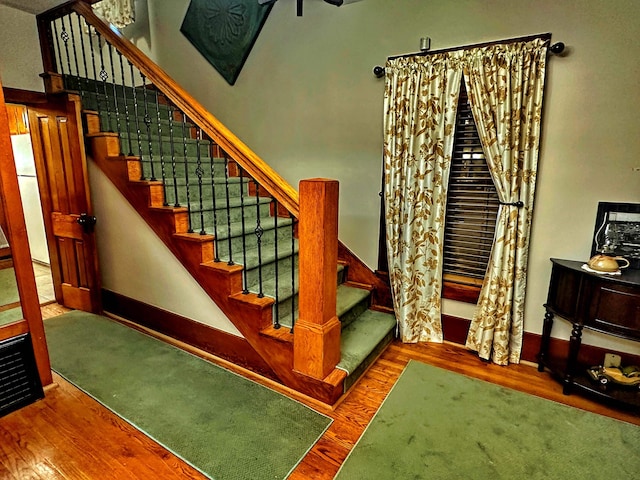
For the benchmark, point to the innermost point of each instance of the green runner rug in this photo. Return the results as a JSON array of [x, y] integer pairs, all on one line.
[[221, 423], [440, 425]]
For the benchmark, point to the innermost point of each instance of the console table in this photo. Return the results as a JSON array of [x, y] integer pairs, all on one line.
[[605, 303]]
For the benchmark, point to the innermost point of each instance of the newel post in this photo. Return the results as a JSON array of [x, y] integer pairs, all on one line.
[[316, 345]]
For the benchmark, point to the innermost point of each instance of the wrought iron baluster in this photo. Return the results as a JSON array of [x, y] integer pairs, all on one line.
[[293, 273], [259, 231], [200, 173], [58, 49], [75, 58], [216, 243], [126, 104], [226, 183], [147, 122], [276, 322], [136, 115], [245, 290], [161, 149], [93, 65], [104, 76], [186, 169], [65, 38], [176, 202], [115, 94], [84, 54]]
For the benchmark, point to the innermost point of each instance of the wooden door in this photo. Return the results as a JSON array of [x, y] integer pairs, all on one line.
[[61, 166]]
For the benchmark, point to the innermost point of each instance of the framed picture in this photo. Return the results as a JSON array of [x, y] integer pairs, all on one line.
[[617, 231], [224, 31]]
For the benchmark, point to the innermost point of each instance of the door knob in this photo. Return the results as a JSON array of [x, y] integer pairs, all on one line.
[[87, 222]]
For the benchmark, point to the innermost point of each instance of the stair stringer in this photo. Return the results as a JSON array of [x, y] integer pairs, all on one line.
[[251, 315]]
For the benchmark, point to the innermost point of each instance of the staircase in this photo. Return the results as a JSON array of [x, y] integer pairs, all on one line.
[[236, 238]]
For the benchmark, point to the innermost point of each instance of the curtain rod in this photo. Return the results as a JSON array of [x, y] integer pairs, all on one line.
[[556, 48]]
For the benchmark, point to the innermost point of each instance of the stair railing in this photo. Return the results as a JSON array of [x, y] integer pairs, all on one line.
[[137, 99]]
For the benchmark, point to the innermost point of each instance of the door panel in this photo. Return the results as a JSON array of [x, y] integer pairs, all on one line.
[[58, 148]]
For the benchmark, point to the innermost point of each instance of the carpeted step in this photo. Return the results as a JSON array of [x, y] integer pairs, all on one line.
[[233, 210], [362, 341], [235, 237], [265, 263], [350, 303], [178, 147]]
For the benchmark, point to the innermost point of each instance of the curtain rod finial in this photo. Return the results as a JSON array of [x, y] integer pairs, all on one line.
[[378, 71], [557, 47]]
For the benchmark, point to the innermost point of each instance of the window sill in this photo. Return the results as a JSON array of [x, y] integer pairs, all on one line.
[[460, 292]]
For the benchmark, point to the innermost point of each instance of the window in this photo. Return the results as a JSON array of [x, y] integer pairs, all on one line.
[[472, 207]]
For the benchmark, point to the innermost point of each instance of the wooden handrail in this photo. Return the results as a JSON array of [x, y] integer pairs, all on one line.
[[268, 178]]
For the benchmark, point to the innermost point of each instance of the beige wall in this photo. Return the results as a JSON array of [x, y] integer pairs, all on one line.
[[20, 60], [307, 102]]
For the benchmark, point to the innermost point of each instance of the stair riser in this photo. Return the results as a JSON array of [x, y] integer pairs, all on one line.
[[251, 241], [235, 214], [182, 171], [353, 313], [140, 146], [207, 193], [268, 273], [123, 123]]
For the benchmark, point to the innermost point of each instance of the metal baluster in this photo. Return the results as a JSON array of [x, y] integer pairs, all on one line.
[[259, 231], [65, 38], [84, 55], [75, 58], [276, 322], [95, 75], [104, 76], [136, 118], [293, 273], [115, 95], [147, 122], [244, 233], [200, 173], [215, 214], [161, 150], [186, 170], [59, 50], [126, 104], [226, 183], [176, 203]]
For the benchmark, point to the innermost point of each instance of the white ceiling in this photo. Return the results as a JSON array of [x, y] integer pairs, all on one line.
[[32, 6]]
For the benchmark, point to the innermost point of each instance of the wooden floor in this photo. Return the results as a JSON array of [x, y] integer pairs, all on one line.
[[70, 436]]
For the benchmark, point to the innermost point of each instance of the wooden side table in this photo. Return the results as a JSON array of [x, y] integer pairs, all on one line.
[[604, 303]]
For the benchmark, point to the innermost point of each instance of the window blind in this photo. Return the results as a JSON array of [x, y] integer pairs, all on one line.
[[472, 203]]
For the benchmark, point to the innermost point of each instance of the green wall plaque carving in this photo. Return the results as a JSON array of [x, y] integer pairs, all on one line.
[[224, 31]]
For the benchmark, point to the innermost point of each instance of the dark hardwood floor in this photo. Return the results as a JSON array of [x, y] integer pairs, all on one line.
[[70, 436]]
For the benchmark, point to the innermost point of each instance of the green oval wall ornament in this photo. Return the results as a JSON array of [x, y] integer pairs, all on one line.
[[224, 31]]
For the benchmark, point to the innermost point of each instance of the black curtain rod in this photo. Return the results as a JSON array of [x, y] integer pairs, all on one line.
[[556, 48]]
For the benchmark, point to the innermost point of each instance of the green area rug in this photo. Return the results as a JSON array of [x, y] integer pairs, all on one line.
[[11, 315], [221, 423], [436, 424], [8, 286]]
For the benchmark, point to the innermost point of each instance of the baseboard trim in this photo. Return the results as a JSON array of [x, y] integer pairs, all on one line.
[[455, 330], [229, 347]]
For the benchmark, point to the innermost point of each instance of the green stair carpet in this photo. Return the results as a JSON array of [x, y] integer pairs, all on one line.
[[440, 425], [223, 424]]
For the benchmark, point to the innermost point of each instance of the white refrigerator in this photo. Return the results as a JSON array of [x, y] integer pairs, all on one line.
[[26, 168]]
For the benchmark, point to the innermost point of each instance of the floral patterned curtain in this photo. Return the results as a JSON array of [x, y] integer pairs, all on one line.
[[117, 12], [420, 102], [505, 84]]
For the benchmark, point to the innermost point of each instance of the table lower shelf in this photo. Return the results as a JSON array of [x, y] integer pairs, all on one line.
[[616, 395]]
